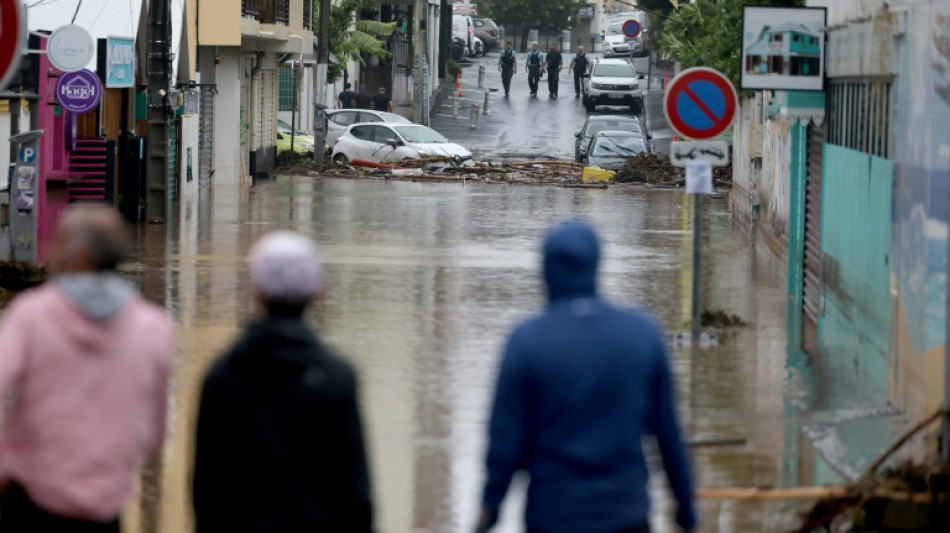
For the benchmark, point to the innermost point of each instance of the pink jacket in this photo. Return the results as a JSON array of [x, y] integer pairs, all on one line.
[[90, 397]]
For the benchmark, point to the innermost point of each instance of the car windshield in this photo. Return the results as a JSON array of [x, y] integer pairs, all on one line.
[[615, 29], [614, 71], [596, 126], [618, 146], [420, 134]]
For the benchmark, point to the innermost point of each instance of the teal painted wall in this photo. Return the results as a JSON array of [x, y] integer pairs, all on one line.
[[796, 232], [855, 239]]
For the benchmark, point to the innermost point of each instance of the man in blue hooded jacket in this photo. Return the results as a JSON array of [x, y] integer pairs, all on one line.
[[578, 387]]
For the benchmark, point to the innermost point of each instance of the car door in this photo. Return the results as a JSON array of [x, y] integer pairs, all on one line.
[[360, 143]]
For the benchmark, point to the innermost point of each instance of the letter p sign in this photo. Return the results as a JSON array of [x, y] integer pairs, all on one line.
[[27, 155]]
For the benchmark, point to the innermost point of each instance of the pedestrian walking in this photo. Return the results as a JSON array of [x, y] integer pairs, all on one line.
[[346, 98], [507, 64], [553, 63], [579, 386], [363, 100], [579, 66], [87, 362], [279, 445], [382, 101], [533, 64]]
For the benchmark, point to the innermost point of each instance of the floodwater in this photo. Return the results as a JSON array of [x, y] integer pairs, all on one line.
[[424, 282]]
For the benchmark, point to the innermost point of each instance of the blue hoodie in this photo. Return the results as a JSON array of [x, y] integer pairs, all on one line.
[[578, 387]]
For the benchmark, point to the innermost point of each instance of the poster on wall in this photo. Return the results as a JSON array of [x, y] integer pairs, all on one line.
[[120, 62], [783, 48]]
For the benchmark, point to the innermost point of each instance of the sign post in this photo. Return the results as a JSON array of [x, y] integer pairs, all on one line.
[[23, 195], [12, 38], [700, 104]]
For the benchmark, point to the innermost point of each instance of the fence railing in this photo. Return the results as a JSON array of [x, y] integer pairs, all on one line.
[[271, 11], [308, 14]]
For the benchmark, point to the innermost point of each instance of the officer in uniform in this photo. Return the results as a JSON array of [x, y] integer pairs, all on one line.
[[533, 67], [553, 64], [579, 66], [507, 64]]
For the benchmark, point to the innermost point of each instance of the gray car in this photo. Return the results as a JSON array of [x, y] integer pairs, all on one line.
[[598, 123], [487, 31], [610, 150]]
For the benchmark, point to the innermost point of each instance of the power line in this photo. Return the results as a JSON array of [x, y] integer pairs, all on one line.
[[104, 4], [76, 12]]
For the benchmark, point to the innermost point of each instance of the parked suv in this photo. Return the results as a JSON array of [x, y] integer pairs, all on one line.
[[487, 31], [613, 82]]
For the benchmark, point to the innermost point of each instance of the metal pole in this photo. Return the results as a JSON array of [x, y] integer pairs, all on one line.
[[473, 117], [293, 107], [945, 423], [485, 106], [481, 76], [697, 263], [649, 70], [455, 105]]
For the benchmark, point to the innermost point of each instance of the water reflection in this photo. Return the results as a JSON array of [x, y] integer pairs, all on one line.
[[424, 282]]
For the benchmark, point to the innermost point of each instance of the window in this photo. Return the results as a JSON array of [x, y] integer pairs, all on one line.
[[363, 133], [479, 23], [618, 145], [287, 85], [796, 38], [344, 118], [614, 71], [420, 134], [369, 117], [383, 134], [776, 37], [860, 115]]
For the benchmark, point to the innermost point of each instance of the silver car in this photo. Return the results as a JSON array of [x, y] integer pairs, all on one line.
[[609, 150], [340, 119], [598, 123]]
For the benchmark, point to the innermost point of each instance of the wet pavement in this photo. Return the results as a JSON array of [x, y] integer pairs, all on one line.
[[522, 126], [425, 281]]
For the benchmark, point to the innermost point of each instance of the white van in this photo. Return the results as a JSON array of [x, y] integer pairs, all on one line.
[[463, 27]]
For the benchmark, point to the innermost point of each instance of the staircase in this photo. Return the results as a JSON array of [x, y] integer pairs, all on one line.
[[89, 170]]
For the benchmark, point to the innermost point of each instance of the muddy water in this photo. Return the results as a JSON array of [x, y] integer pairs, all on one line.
[[425, 280]]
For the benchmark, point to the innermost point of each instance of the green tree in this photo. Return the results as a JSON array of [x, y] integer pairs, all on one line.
[[663, 6], [351, 39], [708, 33], [546, 16]]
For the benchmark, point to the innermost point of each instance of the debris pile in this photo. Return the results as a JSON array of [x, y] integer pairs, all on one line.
[[651, 169]]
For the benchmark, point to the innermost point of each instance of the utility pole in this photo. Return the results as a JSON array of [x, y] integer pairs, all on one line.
[[445, 37], [420, 83], [323, 53], [158, 72]]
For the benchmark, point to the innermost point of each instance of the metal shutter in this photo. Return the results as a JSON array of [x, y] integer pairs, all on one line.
[[811, 297]]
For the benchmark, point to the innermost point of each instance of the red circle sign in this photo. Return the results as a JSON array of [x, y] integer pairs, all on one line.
[[631, 28], [12, 37], [700, 103]]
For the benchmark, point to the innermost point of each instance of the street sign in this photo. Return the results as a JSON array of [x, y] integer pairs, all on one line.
[[631, 28], [27, 155], [79, 91], [700, 103], [12, 38], [24, 188], [716, 153], [70, 48]]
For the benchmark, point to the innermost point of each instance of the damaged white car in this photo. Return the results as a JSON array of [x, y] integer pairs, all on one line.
[[382, 143]]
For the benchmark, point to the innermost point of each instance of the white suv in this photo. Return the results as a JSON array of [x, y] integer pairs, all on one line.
[[613, 82]]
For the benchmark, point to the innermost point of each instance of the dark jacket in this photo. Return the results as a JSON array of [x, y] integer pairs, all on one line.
[[578, 387], [279, 444]]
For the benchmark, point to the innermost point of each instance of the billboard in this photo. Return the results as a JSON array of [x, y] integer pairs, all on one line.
[[783, 48]]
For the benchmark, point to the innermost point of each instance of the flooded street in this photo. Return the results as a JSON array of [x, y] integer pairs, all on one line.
[[424, 282]]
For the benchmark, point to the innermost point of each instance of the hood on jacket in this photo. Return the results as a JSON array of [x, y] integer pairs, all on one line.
[[277, 351], [571, 255], [99, 296]]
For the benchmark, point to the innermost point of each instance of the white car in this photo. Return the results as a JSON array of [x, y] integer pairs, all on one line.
[[613, 82], [616, 44], [394, 142], [340, 119]]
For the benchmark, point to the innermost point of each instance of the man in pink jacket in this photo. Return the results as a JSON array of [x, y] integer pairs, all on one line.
[[86, 362]]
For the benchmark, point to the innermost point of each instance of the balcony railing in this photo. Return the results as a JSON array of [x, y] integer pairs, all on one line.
[[308, 14], [267, 11]]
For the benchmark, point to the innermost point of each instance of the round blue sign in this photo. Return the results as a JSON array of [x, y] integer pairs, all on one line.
[[79, 91], [631, 28]]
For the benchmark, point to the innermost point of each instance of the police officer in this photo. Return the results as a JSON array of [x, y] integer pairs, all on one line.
[[533, 65], [553, 64], [579, 66], [507, 64]]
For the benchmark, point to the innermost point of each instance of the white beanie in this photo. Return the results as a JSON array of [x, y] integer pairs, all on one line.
[[285, 265]]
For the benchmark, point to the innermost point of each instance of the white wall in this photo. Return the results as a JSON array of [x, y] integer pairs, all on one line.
[[227, 117], [841, 11]]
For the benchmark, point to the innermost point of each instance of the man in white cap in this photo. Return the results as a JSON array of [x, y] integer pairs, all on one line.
[[279, 444]]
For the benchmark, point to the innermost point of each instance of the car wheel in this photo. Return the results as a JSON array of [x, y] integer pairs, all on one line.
[[588, 105], [341, 159], [635, 109]]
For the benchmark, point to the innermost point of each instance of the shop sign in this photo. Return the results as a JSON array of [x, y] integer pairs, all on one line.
[[70, 48], [120, 62], [79, 91]]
